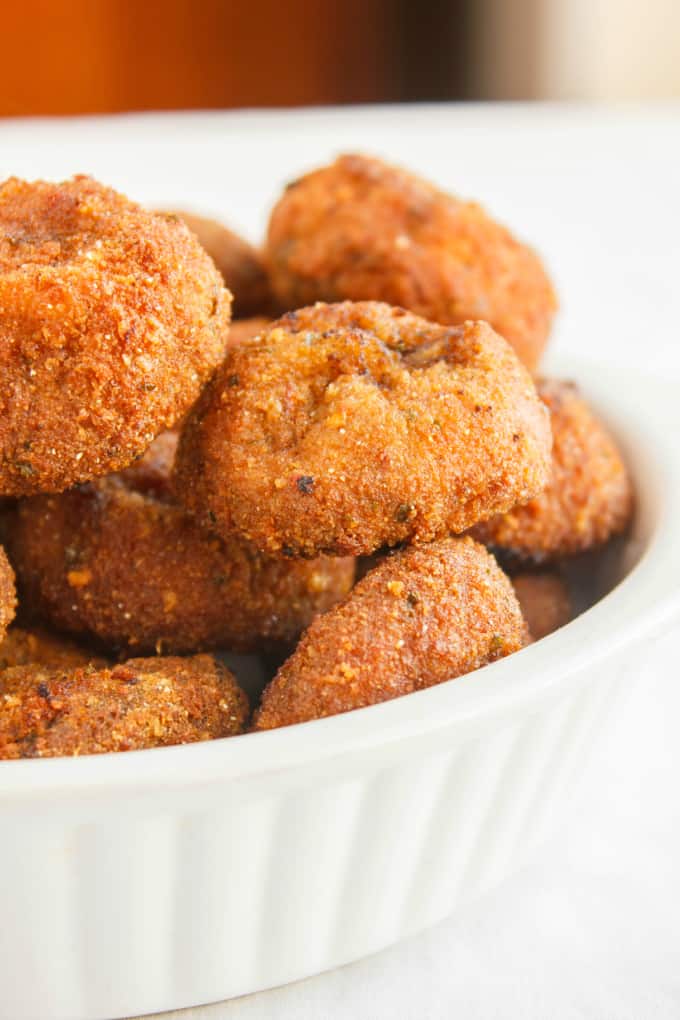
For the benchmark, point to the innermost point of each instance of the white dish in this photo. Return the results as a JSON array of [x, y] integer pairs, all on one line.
[[154, 880]]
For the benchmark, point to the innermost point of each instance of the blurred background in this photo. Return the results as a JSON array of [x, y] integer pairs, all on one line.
[[100, 56]]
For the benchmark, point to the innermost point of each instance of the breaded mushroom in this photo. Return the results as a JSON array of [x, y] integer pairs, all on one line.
[[423, 616], [119, 561], [589, 497], [544, 601], [22, 647], [343, 428], [364, 230], [48, 713], [111, 320], [8, 598], [241, 265]]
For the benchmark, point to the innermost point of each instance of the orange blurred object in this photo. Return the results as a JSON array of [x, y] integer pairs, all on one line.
[[80, 56]]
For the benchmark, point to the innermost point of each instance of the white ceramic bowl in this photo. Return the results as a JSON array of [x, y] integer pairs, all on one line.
[[152, 880]]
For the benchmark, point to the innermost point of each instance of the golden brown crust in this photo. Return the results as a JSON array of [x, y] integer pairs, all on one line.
[[111, 320], [364, 230], [343, 428], [47, 713], [38, 647], [588, 499], [119, 561], [424, 615], [8, 599], [241, 265], [545, 602]]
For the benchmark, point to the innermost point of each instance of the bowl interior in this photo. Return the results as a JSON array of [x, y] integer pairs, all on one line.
[[628, 590]]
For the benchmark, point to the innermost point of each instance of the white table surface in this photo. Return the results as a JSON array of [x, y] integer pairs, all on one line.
[[592, 929]]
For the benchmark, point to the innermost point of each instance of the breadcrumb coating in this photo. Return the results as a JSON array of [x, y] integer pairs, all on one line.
[[343, 428], [111, 320], [364, 230], [8, 598], [119, 561], [422, 616], [588, 499], [240, 263], [52, 712], [38, 647]]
